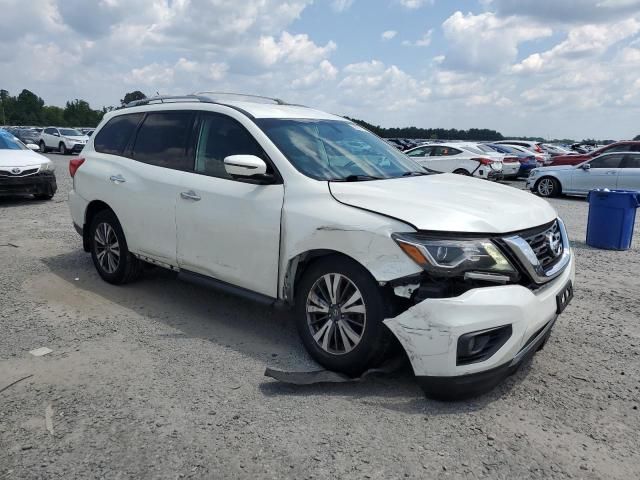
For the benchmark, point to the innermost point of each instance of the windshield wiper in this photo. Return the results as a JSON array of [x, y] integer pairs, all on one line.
[[356, 178]]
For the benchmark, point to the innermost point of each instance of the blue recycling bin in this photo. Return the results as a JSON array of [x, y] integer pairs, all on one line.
[[612, 215]]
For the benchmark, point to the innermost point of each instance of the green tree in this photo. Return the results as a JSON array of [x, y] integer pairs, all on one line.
[[132, 97], [79, 113]]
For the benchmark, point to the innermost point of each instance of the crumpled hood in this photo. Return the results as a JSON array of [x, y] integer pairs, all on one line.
[[448, 203], [20, 158]]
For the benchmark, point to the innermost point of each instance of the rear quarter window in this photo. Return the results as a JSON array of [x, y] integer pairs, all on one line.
[[115, 135]]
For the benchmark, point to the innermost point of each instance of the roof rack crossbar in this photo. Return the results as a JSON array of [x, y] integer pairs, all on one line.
[[275, 100], [169, 99]]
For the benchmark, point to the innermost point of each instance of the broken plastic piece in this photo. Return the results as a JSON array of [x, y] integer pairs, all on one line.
[[327, 376], [39, 352]]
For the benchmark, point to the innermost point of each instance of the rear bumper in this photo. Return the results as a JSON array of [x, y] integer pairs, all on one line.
[[39, 184]]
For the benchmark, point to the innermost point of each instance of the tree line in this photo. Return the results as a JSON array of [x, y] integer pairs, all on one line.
[[29, 109]]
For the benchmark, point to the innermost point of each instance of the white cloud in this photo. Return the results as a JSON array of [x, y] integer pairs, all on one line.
[[566, 11], [582, 42], [414, 4], [341, 5], [487, 42], [423, 41], [292, 49], [388, 34]]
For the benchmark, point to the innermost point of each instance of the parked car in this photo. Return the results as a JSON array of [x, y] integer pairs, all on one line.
[[24, 171], [527, 160], [273, 202], [510, 163], [535, 147], [554, 150], [64, 140], [577, 159], [454, 158], [609, 170], [27, 136]]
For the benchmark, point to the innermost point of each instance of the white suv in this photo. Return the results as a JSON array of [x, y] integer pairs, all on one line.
[[63, 140], [296, 207]]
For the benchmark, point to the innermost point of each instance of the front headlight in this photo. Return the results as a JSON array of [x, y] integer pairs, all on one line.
[[452, 257], [47, 167], [533, 173]]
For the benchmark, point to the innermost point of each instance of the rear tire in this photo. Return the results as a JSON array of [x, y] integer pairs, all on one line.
[[548, 187], [43, 196], [461, 171], [109, 251], [354, 337]]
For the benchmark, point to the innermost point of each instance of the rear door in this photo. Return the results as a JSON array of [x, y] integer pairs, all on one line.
[[602, 174], [629, 173], [448, 159], [229, 229], [143, 178]]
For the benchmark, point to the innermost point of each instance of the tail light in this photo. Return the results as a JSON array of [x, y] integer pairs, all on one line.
[[509, 160], [74, 165], [539, 149], [484, 161]]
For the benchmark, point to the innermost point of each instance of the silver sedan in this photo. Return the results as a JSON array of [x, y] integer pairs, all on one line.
[[611, 170]]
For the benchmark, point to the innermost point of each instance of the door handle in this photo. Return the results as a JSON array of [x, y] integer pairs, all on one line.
[[117, 179], [190, 195]]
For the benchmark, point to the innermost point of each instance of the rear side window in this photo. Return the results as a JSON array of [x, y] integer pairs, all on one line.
[[616, 148], [115, 135], [631, 161], [163, 140]]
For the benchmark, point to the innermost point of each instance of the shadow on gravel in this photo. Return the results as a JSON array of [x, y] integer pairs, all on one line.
[[265, 334], [20, 201]]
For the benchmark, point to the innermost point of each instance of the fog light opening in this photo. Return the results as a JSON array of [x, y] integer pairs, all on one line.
[[479, 346]]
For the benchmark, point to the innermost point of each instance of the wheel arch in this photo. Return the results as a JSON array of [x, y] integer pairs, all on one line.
[[297, 265], [92, 210]]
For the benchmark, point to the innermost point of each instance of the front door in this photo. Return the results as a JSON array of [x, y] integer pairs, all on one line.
[[602, 174], [229, 229]]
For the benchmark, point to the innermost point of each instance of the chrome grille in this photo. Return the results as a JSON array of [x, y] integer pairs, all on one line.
[[8, 173], [547, 245]]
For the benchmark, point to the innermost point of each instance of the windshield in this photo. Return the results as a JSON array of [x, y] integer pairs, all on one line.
[[9, 142], [486, 148], [336, 150], [70, 132]]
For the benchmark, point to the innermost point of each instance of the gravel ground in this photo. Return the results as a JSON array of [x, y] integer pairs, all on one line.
[[161, 379]]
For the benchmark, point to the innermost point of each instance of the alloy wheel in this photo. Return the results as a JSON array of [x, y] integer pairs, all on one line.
[[545, 187], [336, 314], [107, 247]]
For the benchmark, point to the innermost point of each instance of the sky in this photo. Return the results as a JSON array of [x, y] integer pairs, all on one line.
[[552, 68]]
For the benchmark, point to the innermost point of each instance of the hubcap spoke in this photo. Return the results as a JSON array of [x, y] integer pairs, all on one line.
[[336, 314], [107, 247]]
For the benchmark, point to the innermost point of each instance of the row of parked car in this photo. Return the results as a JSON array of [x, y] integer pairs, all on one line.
[[62, 139]]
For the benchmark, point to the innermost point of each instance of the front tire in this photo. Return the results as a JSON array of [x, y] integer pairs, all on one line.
[[109, 251], [548, 187], [43, 147], [62, 149], [339, 314]]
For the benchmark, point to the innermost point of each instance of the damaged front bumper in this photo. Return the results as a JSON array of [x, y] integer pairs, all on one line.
[[429, 333]]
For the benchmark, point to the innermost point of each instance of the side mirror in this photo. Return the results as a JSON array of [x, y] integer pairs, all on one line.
[[33, 146], [245, 166], [585, 166], [56, 134]]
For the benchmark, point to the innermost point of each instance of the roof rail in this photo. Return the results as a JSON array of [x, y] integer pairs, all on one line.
[[277, 101], [169, 99]]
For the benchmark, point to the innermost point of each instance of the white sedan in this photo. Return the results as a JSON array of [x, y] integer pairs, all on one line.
[[456, 158], [611, 170]]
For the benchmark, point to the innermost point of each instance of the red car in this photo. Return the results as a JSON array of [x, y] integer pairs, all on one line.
[[577, 159]]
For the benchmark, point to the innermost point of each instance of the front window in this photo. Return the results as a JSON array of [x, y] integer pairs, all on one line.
[[9, 142], [70, 132], [336, 150]]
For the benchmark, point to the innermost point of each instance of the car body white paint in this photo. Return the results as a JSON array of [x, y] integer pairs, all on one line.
[[22, 159], [462, 160], [283, 223]]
